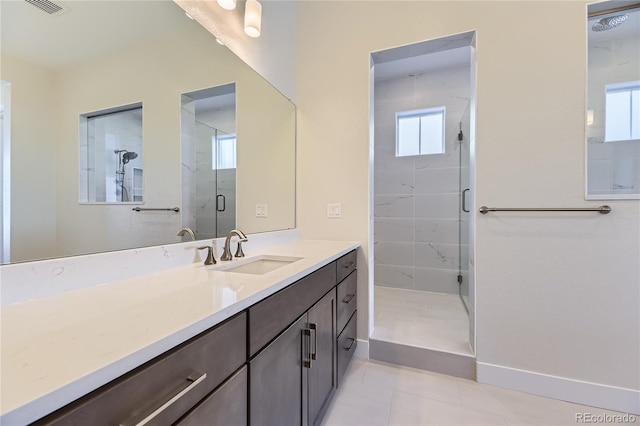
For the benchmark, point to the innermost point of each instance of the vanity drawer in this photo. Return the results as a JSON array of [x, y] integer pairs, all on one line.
[[227, 406], [347, 343], [183, 375], [275, 313], [345, 265], [346, 299]]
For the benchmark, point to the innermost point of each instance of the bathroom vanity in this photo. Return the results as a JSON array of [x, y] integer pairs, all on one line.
[[207, 345]]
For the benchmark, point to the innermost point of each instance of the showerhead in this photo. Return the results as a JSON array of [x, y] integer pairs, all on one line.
[[608, 23], [128, 156]]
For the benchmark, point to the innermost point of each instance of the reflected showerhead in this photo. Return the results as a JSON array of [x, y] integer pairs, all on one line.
[[128, 156], [608, 23]]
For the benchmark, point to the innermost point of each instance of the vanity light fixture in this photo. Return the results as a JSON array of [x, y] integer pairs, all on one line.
[[252, 18], [227, 4]]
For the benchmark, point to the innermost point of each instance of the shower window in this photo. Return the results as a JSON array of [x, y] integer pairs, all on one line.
[[420, 132], [111, 155], [225, 149], [622, 112]]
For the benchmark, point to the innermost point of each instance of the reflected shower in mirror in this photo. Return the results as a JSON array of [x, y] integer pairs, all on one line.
[[208, 123], [72, 64], [613, 101], [110, 156]]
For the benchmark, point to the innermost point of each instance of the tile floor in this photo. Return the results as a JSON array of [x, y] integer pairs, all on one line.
[[421, 318], [375, 393]]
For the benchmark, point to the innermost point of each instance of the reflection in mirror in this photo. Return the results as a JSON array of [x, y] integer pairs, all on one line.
[[209, 161], [111, 156], [60, 67], [613, 101]]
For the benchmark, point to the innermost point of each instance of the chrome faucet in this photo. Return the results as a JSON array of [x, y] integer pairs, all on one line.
[[184, 231], [210, 260], [226, 252]]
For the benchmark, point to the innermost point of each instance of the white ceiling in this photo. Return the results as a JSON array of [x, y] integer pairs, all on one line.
[[84, 29], [423, 63]]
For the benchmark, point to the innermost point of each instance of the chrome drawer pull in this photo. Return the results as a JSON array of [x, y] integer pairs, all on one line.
[[194, 378], [349, 298], [353, 341]]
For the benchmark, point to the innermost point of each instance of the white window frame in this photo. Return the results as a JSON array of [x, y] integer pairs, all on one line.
[[421, 113]]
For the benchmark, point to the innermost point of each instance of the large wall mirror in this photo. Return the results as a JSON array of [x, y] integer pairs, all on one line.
[[613, 101], [96, 56]]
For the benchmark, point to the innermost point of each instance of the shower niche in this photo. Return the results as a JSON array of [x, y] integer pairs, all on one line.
[[111, 156]]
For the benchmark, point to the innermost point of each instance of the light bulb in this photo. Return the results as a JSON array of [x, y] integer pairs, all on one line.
[[227, 4], [252, 18]]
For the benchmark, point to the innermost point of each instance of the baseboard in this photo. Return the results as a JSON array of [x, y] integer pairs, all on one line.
[[580, 392], [362, 349]]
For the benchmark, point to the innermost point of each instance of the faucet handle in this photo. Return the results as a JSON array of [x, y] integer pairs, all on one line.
[[239, 252], [210, 260]]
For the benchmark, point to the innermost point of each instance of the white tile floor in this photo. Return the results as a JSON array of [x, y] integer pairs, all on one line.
[[421, 318], [375, 393]]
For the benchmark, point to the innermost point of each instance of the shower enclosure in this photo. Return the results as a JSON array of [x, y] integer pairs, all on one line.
[[423, 291]]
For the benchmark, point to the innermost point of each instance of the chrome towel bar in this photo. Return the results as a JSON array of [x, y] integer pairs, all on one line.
[[139, 209], [601, 209]]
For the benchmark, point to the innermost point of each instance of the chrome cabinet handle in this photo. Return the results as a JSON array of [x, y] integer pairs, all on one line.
[[353, 341], [194, 378], [314, 354], [306, 334], [349, 298]]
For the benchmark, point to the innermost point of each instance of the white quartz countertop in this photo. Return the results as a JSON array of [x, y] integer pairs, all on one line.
[[58, 348]]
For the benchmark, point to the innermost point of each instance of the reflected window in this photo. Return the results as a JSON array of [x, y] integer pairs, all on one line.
[[111, 156], [420, 132], [225, 149], [622, 112]]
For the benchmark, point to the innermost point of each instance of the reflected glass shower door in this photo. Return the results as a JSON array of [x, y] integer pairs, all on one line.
[[464, 211]]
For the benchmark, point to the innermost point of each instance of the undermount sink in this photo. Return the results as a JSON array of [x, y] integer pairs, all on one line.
[[258, 265]]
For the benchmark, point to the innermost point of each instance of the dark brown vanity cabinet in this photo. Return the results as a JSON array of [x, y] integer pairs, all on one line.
[[276, 363], [293, 377], [204, 369], [347, 312]]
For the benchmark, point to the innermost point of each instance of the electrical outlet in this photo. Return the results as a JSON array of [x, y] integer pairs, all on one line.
[[334, 210], [261, 210]]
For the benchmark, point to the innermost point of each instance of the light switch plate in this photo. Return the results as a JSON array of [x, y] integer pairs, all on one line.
[[334, 210], [261, 210]]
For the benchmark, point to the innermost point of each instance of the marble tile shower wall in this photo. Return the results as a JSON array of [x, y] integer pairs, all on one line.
[[188, 153], [417, 198]]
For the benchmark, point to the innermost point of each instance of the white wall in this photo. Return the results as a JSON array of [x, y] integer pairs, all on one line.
[[556, 294], [33, 187]]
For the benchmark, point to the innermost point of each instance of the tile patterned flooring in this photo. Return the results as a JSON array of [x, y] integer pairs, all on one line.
[[374, 393], [421, 318]]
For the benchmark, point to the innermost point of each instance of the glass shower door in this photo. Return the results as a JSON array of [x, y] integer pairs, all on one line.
[[464, 211]]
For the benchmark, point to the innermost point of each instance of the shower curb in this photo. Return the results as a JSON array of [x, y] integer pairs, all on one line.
[[452, 364]]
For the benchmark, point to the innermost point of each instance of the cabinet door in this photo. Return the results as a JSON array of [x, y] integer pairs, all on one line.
[[322, 373], [277, 379], [226, 406]]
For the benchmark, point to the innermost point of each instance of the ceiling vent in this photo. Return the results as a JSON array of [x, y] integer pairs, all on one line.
[[46, 6]]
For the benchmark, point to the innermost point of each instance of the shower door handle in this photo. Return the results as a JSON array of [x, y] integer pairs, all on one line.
[[464, 201], [218, 203]]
